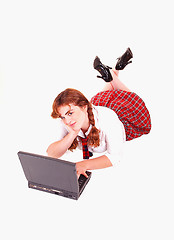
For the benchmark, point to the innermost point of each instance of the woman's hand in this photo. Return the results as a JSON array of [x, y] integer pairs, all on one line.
[[81, 168], [92, 164], [72, 130]]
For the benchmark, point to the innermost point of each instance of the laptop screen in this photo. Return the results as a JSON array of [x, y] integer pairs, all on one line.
[[50, 172]]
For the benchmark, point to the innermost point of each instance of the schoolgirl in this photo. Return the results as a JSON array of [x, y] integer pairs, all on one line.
[[104, 123]]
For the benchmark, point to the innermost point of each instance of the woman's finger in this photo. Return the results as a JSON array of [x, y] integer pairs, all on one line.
[[85, 174]]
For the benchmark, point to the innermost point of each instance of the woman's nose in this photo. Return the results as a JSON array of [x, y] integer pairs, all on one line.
[[67, 121]]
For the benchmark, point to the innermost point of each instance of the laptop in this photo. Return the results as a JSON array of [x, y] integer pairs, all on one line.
[[53, 175]]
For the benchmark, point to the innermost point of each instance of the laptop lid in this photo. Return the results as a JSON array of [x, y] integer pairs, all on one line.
[[51, 172]]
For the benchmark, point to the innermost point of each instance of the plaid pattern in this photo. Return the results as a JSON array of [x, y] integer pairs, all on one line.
[[86, 153], [129, 107]]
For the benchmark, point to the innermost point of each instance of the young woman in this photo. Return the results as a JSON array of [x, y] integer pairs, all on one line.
[[101, 125]]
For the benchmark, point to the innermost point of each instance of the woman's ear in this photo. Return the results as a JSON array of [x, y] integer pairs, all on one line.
[[85, 108]]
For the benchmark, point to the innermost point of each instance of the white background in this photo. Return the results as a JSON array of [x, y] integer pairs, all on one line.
[[47, 46]]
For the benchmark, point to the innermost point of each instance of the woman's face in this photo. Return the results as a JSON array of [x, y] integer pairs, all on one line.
[[74, 117]]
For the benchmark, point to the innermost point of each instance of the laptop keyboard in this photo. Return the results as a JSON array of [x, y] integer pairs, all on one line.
[[82, 180]]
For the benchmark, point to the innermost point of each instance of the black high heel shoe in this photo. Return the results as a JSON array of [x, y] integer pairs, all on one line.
[[103, 70], [124, 60]]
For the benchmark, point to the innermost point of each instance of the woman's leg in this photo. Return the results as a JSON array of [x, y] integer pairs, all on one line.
[[115, 83]]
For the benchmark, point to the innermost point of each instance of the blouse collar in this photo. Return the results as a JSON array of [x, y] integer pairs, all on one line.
[[81, 134]]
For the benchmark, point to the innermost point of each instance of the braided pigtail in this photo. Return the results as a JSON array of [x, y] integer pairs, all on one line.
[[73, 145], [93, 137]]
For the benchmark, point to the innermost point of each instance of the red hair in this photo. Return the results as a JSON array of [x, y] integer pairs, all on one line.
[[73, 96]]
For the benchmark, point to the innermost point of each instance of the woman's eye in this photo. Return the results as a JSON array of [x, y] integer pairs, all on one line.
[[69, 114]]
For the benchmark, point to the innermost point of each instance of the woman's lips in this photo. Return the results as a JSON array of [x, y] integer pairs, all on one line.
[[72, 125]]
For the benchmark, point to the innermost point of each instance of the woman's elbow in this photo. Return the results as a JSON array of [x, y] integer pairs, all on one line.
[[52, 152], [48, 151]]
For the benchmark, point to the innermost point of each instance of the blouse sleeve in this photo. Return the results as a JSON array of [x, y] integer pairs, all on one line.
[[57, 131], [114, 136], [61, 130]]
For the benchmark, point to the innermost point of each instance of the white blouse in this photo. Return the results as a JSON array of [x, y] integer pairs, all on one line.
[[112, 133]]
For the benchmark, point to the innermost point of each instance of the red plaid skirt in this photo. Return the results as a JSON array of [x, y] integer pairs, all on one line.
[[130, 109]]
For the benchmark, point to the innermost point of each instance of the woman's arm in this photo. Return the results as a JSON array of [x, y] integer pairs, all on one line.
[[92, 164], [57, 149]]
